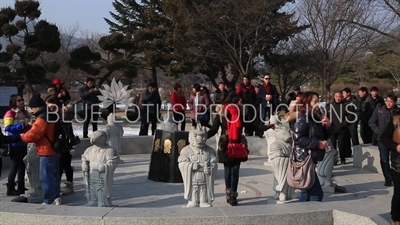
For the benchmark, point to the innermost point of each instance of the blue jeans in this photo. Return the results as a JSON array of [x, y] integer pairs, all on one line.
[[266, 111], [384, 159], [231, 170], [314, 194], [50, 177]]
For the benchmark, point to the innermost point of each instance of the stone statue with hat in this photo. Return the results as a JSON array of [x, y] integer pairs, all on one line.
[[198, 166]]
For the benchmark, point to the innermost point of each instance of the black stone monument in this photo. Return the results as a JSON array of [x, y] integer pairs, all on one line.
[[164, 156]]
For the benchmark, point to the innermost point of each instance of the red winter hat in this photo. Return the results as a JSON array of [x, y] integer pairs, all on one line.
[[57, 81]]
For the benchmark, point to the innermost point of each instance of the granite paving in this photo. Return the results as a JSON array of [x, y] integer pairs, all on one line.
[[366, 193]]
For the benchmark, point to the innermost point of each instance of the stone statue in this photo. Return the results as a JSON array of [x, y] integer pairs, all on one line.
[[325, 168], [114, 133], [32, 163], [270, 133], [198, 166], [279, 154], [168, 123], [98, 165]]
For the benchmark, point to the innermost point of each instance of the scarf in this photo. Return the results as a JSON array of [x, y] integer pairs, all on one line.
[[267, 88], [234, 123]]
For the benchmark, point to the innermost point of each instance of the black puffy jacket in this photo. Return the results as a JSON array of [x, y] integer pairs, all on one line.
[[307, 132], [386, 139]]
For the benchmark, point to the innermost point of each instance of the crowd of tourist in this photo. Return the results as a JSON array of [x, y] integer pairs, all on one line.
[[243, 110]]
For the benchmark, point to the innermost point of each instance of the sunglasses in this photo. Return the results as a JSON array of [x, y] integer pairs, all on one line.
[[20, 100], [267, 78]]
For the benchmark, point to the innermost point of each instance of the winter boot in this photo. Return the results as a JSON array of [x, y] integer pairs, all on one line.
[[228, 195], [21, 187], [234, 201], [68, 189], [11, 190]]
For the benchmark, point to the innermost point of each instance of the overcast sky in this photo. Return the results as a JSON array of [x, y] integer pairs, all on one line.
[[88, 14]]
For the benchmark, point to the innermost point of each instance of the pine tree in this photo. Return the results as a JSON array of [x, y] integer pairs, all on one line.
[[27, 40], [116, 57], [150, 28]]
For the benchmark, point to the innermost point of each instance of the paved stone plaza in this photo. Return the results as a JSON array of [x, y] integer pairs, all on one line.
[[366, 193]]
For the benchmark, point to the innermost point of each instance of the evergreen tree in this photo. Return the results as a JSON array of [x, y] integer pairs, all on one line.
[[27, 39], [150, 28], [116, 57]]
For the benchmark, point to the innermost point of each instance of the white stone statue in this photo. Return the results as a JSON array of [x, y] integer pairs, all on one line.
[[270, 133], [98, 165], [198, 166], [325, 168], [32, 164], [114, 133], [168, 123], [279, 154]]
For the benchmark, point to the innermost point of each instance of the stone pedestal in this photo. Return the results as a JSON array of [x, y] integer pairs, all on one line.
[[164, 156]]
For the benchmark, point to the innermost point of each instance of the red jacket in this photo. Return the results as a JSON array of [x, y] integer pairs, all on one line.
[[178, 102], [246, 93]]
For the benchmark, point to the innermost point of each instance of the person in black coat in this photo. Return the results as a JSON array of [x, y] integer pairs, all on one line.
[[90, 100], [336, 112], [353, 107], [381, 117], [268, 96], [292, 96], [391, 139], [150, 110], [220, 93], [310, 130], [366, 113]]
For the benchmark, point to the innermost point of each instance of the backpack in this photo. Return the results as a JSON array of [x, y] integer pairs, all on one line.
[[61, 142]]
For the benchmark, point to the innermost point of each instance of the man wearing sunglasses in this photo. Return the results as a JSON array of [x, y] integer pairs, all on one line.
[[268, 97]]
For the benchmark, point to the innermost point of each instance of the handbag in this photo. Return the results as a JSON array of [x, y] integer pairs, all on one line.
[[236, 150], [396, 133], [300, 175]]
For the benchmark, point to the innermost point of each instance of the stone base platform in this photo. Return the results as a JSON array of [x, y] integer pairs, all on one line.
[[367, 157], [313, 214], [140, 201]]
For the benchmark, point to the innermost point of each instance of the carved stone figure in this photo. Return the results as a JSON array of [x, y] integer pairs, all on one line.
[[98, 165], [270, 133], [198, 166], [325, 168], [32, 163], [168, 123], [279, 154], [114, 133]]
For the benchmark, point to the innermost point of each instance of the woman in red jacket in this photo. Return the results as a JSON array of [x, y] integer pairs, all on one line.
[[178, 102]]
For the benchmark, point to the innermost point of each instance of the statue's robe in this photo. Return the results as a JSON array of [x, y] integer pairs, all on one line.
[[187, 158]]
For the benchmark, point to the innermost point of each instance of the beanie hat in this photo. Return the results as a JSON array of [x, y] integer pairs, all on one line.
[[36, 101]]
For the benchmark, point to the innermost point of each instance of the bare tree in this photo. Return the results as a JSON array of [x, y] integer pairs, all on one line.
[[382, 17], [70, 39], [220, 33], [333, 43], [291, 62]]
